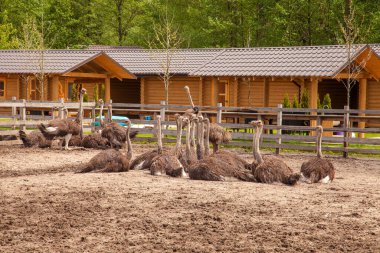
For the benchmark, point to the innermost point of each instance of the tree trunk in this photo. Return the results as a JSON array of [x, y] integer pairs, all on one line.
[[119, 6]]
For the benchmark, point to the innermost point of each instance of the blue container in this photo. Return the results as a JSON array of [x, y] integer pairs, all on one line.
[[114, 118], [148, 118]]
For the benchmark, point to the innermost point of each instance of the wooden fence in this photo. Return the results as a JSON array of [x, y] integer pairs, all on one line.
[[285, 128]]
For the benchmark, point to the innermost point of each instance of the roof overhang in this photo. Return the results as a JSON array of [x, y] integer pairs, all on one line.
[[113, 68]]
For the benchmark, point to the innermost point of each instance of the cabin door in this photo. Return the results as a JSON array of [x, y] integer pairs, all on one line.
[[223, 94]]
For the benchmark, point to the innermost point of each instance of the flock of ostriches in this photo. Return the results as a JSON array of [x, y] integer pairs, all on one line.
[[194, 160]]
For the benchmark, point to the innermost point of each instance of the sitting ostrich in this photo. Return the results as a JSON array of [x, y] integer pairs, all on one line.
[[111, 160], [222, 166], [318, 169], [64, 127], [168, 163], [34, 139], [144, 161], [270, 169]]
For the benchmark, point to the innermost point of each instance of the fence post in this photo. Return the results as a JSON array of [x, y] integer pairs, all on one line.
[[110, 111], [14, 113], [219, 113], [61, 108], [347, 133], [23, 115], [279, 131]]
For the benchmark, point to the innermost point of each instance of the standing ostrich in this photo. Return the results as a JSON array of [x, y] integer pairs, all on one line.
[[218, 134], [318, 169], [169, 163], [111, 160], [270, 169], [64, 127], [34, 139]]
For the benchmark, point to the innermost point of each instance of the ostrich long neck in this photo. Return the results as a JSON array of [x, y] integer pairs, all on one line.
[[206, 138], [199, 139], [189, 95], [256, 147], [80, 115], [159, 135], [101, 114], [179, 135], [188, 132], [319, 144], [129, 144]]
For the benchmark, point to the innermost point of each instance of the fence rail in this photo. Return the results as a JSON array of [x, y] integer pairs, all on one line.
[[282, 128]]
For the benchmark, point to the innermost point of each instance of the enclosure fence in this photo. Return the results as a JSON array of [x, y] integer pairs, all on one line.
[[285, 128]]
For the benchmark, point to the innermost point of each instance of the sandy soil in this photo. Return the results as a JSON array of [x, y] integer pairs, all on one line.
[[45, 207]]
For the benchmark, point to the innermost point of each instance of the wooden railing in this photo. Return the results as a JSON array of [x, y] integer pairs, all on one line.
[[279, 134]]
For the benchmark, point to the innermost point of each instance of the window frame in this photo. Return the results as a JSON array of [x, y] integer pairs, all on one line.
[[5, 87]]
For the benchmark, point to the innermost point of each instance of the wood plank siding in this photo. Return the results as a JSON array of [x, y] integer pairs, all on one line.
[[373, 99], [155, 92]]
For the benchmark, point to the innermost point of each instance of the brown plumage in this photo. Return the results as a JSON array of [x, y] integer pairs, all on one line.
[[167, 163], [110, 160], [34, 139], [270, 169], [64, 127], [318, 169], [220, 166], [95, 141], [218, 135]]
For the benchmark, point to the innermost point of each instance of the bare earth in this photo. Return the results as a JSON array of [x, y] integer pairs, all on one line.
[[45, 207]]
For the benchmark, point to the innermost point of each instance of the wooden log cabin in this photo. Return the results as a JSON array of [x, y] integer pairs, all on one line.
[[243, 77]]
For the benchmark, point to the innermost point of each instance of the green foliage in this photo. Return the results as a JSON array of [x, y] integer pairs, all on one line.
[[96, 93], [85, 97], [295, 102], [74, 92], [103, 92], [326, 104], [201, 23], [305, 99], [319, 105], [286, 102]]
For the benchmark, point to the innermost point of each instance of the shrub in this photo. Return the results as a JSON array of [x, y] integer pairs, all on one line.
[[326, 103], [304, 99], [286, 103], [295, 102]]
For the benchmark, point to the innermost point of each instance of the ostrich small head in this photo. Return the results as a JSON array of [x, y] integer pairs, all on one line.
[[195, 109], [256, 123], [83, 91], [101, 102], [186, 88], [319, 130]]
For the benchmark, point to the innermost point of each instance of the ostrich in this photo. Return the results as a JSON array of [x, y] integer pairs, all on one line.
[[64, 127], [218, 134], [34, 139], [270, 169], [318, 169], [218, 166], [169, 163], [111, 160]]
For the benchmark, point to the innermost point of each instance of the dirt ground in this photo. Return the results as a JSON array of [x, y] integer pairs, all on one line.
[[46, 207]]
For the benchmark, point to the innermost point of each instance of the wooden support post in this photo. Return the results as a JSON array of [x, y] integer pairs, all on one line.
[[279, 131], [23, 115], [347, 134], [142, 91], [55, 88], [110, 111], [14, 113], [219, 113], [107, 87], [214, 95], [362, 102]]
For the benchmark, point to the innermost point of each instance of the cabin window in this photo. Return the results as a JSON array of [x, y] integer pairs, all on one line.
[[2, 88]]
